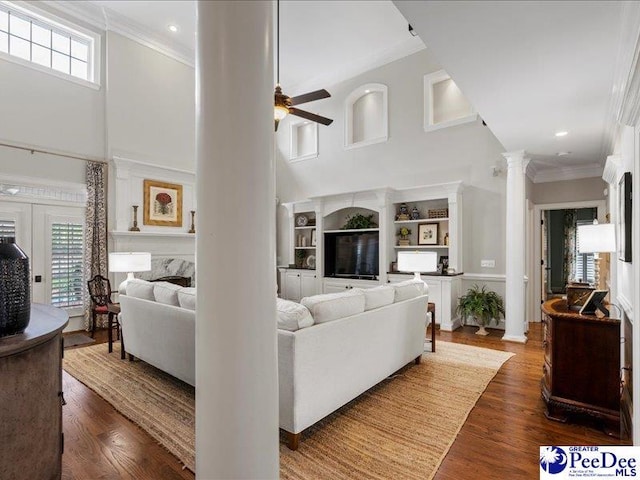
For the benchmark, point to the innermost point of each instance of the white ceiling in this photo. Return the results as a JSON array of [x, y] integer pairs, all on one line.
[[321, 42], [531, 69]]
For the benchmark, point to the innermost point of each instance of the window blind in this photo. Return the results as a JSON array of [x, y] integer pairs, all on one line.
[[7, 228], [67, 279], [585, 266]]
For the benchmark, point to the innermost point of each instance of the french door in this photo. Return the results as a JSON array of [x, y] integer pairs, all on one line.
[[53, 238]]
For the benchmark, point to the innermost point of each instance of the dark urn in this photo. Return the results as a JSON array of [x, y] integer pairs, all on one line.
[[15, 297]]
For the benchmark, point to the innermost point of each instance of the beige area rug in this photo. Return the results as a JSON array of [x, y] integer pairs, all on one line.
[[401, 428]]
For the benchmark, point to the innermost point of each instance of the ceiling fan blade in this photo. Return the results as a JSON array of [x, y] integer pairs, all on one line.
[[310, 116], [310, 97]]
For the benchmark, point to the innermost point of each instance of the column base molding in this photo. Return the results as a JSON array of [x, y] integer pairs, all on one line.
[[515, 338]]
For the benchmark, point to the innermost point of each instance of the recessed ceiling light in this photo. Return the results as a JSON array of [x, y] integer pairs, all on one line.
[[367, 91], [173, 28], [562, 134], [563, 154]]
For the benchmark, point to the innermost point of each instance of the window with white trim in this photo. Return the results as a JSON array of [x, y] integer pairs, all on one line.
[[67, 279], [46, 43], [585, 266]]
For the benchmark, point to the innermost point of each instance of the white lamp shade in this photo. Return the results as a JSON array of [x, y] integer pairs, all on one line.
[[417, 261], [597, 238], [129, 262]]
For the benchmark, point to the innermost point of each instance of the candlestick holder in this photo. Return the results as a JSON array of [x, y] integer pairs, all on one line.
[[135, 220], [193, 225]]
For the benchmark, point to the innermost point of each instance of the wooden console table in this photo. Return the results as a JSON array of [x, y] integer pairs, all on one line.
[[581, 371], [31, 397]]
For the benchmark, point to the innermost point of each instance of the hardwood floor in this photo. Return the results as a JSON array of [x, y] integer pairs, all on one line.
[[499, 440]]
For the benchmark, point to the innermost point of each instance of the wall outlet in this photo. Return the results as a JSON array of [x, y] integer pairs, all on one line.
[[488, 263]]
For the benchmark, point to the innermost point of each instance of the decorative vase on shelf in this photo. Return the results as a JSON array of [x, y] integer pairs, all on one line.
[[15, 297]]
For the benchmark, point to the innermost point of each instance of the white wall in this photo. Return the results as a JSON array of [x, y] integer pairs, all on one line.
[[578, 190], [411, 157], [150, 105]]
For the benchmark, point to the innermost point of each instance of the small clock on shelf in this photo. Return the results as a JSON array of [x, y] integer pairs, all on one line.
[[302, 220]]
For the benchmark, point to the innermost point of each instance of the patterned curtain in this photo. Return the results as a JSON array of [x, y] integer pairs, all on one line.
[[95, 246], [570, 230]]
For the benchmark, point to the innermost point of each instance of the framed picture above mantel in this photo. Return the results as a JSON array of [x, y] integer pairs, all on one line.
[[162, 204]]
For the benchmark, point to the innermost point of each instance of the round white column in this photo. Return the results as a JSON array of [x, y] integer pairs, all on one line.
[[236, 344], [515, 308]]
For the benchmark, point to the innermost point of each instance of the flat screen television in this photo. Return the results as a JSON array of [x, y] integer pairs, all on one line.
[[351, 255]]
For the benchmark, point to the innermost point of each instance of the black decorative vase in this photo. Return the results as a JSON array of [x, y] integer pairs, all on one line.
[[15, 296]]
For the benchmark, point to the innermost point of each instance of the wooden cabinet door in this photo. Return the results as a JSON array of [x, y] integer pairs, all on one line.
[[308, 284], [292, 286]]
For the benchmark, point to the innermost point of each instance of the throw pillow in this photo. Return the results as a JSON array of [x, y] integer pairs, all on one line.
[[167, 293], [292, 316], [140, 289], [331, 306], [187, 298], [409, 289], [378, 297]]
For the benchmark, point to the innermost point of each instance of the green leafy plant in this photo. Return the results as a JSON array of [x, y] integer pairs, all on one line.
[[359, 220], [404, 232], [300, 258], [482, 305]]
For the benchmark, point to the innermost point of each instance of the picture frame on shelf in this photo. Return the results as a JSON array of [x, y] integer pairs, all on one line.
[[313, 238], [443, 264], [162, 203], [428, 234], [624, 218]]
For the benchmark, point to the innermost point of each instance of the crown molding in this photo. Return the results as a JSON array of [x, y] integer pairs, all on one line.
[[567, 173], [108, 20]]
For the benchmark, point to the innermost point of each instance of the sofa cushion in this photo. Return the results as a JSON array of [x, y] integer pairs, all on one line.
[[292, 316], [187, 298], [378, 297], [409, 289], [140, 289], [332, 306], [167, 293]]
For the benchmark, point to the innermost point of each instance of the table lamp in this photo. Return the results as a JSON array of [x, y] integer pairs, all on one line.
[[129, 262], [417, 262], [597, 238]]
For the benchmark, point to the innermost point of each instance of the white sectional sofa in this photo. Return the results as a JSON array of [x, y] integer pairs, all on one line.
[[323, 367], [331, 348], [159, 326]]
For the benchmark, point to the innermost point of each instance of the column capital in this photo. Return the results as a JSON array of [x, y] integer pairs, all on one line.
[[516, 156]]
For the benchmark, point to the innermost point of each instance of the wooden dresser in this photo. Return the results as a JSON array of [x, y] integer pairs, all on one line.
[[31, 398], [581, 372]]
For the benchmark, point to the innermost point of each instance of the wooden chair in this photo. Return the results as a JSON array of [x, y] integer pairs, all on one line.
[[101, 304]]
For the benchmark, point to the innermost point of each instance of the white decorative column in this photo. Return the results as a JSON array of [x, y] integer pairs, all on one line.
[[515, 306], [236, 344]]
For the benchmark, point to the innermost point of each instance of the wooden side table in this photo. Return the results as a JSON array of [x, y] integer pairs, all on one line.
[[113, 310], [431, 308]]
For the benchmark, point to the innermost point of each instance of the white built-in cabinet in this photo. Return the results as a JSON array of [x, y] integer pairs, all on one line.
[[329, 214]]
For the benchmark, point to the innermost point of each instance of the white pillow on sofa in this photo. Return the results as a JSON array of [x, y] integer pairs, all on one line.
[[292, 316], [187, 298], [332, 306], [378, 297], [140, 289], [409, 289], [167, 293]]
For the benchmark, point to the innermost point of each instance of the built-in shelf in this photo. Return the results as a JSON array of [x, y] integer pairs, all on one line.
[[420, 247], [305, 248], [422, 220], [305, 228], [353, 230]]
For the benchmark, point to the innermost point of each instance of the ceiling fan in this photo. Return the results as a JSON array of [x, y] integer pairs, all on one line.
[[283, 104]]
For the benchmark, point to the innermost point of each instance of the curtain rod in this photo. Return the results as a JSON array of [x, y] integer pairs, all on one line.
[[33, 150]]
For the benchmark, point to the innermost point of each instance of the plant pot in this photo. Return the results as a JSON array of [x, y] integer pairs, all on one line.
[[482, 331], [404, 242]]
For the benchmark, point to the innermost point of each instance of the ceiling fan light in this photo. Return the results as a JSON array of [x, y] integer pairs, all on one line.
[[279, 112]]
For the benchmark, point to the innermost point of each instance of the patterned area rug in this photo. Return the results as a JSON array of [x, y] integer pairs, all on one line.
[[401, 428]]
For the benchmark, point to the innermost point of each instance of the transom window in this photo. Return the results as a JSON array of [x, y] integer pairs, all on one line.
[[33, 38]]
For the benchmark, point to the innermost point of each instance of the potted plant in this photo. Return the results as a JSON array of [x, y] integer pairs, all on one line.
[[482, 305], [358, 221], [404, 233]]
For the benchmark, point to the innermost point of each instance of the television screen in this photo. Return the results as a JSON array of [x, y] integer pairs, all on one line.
[[351, 254]]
